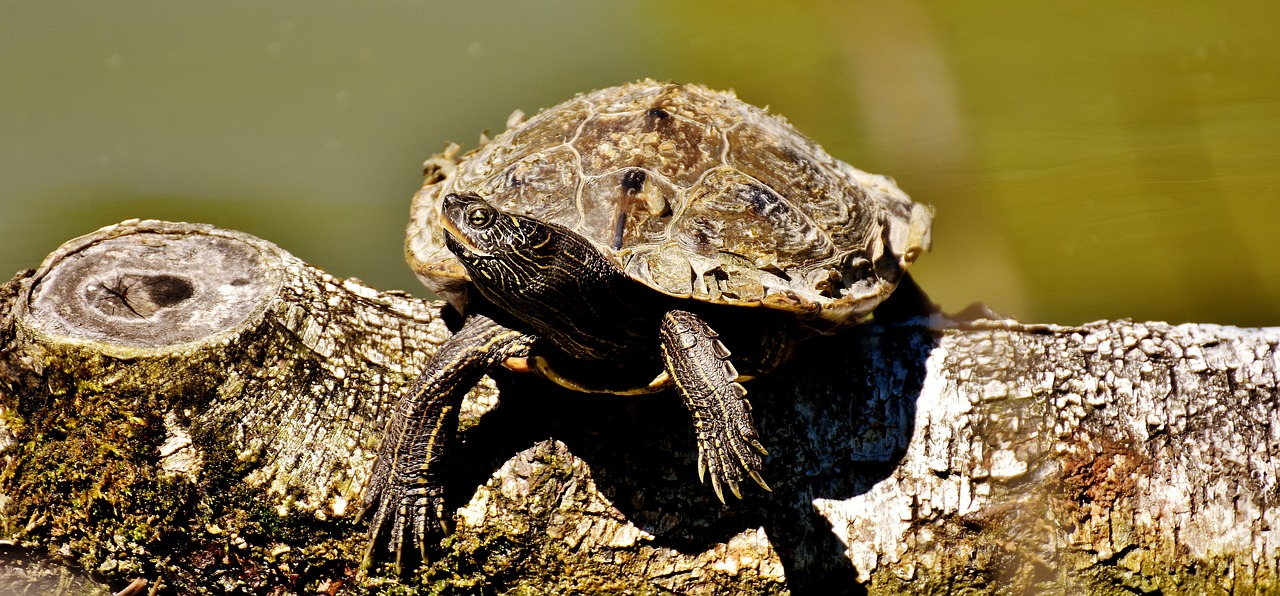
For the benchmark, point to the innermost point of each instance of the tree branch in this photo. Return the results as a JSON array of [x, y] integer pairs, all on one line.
[[196, 407]]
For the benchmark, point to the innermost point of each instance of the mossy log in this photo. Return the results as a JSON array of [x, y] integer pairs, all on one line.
[[198, 409]]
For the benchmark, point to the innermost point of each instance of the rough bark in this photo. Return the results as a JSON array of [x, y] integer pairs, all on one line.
[[197, 408]]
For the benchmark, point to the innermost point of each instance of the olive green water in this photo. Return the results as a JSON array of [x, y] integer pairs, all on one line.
[[1087, 160]]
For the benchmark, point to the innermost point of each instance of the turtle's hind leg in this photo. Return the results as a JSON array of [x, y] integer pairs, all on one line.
[[728, 444], [405, 495]]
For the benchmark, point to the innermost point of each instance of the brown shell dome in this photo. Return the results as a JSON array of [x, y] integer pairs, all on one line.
[[692, 192]]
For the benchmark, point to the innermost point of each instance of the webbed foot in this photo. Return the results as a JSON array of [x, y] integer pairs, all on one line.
[[729, 447], [412, 514], [405, 496]]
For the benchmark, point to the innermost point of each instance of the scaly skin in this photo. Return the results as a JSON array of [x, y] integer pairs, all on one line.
[[626, 332], [590, 311], [645, 235], [728, 444], [406, 485]]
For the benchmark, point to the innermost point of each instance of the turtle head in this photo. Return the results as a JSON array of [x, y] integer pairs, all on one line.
[[496, 247], [548, 276]]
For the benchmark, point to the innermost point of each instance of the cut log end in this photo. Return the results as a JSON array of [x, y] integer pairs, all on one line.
[[151, 284], [931, 455]]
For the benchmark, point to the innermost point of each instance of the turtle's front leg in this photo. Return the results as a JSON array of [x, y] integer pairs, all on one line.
[[406, 486], [728, 444]]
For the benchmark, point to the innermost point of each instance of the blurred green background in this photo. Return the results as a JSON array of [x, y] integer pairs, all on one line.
[[1087, 160]]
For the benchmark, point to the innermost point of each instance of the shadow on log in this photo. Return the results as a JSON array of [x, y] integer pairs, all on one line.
[[196, 408]]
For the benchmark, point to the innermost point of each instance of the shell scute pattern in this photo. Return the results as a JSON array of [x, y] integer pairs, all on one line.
[[695, 194], [782, 161], [547, 130], [643, 214], [731, 212], [535, 185], [669, 146]]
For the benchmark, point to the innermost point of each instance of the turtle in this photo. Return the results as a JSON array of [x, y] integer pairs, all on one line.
[[635, 239]]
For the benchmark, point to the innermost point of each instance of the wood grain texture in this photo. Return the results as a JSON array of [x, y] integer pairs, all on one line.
[[929, 457]]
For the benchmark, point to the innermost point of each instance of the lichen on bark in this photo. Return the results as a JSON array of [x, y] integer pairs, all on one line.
[[929, 456]]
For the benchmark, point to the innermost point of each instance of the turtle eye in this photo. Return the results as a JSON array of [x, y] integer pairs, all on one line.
[[480, 216]]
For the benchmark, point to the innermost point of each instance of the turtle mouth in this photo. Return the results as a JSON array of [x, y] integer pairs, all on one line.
[[458, 247], [454, 237]]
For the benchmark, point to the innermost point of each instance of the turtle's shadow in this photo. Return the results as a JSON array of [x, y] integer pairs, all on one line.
[[831, 432]]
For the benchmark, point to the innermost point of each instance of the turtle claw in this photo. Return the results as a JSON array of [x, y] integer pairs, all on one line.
[[405, 494], [413, 515], [715, 485], [726, 470], [733, 487], [727, 467], [728, 444]]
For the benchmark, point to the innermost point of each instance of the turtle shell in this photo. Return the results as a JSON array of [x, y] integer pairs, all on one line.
[[692, 192]]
